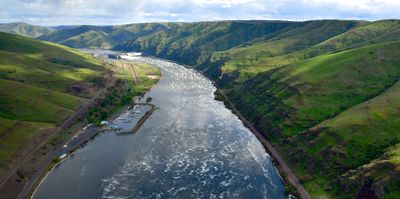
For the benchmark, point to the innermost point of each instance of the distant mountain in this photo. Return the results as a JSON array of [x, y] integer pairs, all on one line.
[[193, 43], [63, 27], [25, 29], [102, 36]]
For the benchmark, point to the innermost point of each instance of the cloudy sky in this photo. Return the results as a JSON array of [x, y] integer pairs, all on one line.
[[102, 12]]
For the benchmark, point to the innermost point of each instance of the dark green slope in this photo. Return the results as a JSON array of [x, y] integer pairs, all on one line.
[[286, 102], [102, 36], [81, 36], [64, 34], [324, 92], [41, 83], [193, 43], [123, 33], [25, 29], [265, 55], [90, 39]]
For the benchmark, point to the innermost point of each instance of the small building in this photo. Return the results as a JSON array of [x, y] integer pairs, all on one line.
[[63, 156], [104, 123], [134, 54], [114, 56]]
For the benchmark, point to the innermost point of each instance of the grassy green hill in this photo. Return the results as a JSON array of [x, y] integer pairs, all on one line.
[[41, 84], [288, 102], [25, 29], [324, 92], [263, 56], [284, 47], [365, 132], [89, 39], [193, 43], [102, 36], [81, 36]]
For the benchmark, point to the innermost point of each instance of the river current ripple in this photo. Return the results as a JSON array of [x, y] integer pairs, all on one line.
[[191, 147]]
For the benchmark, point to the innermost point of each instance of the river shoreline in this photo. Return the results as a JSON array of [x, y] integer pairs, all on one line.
[[54, 164], [259, 147], [72, 152], [287, 176], [284, 171]]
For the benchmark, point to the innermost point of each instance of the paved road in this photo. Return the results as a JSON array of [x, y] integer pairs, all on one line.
[[82, 137], [290, 176]]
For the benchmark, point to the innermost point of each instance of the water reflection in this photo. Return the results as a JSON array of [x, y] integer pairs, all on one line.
[[192, 147]]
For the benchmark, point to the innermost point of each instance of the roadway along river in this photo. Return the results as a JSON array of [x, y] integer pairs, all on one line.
[[192, 147]]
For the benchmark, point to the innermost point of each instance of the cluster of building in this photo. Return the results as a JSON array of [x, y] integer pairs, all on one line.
[[114, 55]]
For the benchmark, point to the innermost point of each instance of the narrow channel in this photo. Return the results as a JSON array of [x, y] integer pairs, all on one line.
[[190, 147]]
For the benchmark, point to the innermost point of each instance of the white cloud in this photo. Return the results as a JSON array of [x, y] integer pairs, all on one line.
[[223, 3], [54, 12]]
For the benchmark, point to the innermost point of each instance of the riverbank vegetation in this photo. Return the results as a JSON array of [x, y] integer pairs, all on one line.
[[133, 80], [41, 84]]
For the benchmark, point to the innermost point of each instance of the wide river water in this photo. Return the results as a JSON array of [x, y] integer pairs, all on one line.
[[191, 147]]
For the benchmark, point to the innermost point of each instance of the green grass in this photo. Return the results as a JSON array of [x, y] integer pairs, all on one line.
[[193, 43], [25, 29], [90, 39], [125, 89], [296, 76], [247, 58], [292, 99], [319, 88], [328, 84], [20, 101], [148, 75], [36, 78], [384, 171], [289, 48], [17, 135], [103, 36], [353, 139], [324, 92]]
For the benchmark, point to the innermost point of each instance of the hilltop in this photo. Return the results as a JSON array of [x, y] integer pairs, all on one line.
[[25, 29], [101, 36]]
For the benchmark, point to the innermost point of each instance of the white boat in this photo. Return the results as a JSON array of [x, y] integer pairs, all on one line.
[[63, 156]]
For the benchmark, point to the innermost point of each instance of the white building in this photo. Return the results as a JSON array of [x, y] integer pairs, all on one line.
[[103, 122], [134, 54]]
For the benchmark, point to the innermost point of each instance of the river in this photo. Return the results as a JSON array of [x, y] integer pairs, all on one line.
[[191, 147]]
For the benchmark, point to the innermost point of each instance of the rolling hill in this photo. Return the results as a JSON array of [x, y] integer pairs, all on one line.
[[259, 57], [41, 84], [193, 43], [102, 36], [293, 103], [25, 29], [324, 92]]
